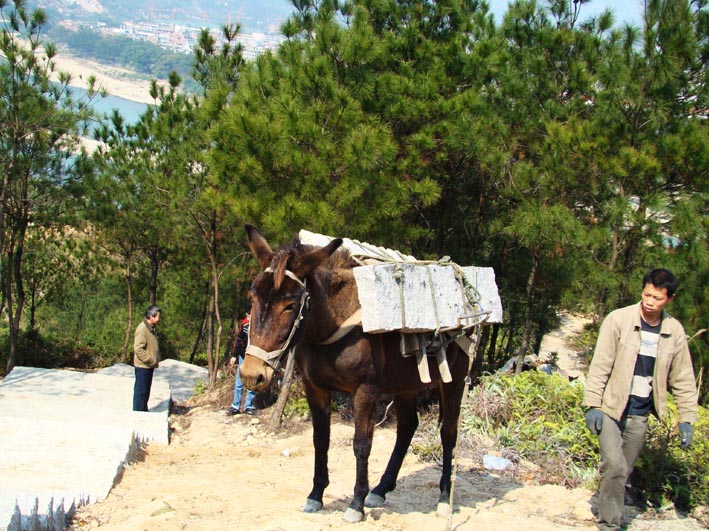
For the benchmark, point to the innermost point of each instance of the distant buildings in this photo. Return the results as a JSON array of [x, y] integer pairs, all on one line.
[[182, 39]]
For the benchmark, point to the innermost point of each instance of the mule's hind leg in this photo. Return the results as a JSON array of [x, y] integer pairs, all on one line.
[[319, 403], [406, 424], [451, 398]]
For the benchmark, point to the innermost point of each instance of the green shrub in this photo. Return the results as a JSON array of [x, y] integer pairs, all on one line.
[[200, 358], [540, 418], [536, 417], [200, 387], [296, 406], [36, 350]]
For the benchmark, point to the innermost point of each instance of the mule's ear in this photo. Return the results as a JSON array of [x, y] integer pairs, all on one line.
[[308, 262], [259, 246]]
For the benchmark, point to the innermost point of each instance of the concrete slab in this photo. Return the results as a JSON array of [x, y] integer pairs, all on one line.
[[67, 434], [182, 377]]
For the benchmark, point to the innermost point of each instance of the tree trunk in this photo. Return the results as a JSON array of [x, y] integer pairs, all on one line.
[[507, 333], [129, 320], [492, 350], [527, 313], [32, 310], [3, 203], [202, 328], [477, 368], [15, 313], [211, 244], [216, 350], [212, 368], [7, 290]]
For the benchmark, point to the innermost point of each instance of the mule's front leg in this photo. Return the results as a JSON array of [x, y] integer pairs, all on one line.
[[365, 404], [319, 402]]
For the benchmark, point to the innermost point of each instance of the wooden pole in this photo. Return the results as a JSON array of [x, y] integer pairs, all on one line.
[[275, 421]]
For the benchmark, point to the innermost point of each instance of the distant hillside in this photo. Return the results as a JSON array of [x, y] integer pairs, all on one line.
[[254, 15], [141, 57]]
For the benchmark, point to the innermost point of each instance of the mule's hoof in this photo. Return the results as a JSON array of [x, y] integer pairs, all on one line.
[[311, 506], [374, 500], [444, 509], [352, 516]]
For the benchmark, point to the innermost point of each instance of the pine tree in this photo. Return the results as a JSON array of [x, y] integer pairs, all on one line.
[[42, 162]]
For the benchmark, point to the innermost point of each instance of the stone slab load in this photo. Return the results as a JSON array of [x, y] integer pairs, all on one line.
[[398, 292], [418, 298]]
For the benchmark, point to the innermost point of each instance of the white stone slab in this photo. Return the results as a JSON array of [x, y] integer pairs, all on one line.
[[66, 434], [483, 280], [356, 248], [428, 297], [432, 297]]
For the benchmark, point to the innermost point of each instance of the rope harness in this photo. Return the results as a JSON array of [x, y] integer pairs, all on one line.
[[436, 342]]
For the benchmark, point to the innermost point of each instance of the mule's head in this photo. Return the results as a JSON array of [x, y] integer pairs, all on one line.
[[279, 302]]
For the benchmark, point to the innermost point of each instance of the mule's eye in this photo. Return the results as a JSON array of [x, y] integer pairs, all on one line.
[[290, 307]]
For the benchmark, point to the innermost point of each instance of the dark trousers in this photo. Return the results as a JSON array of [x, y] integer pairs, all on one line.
[[141, 388]]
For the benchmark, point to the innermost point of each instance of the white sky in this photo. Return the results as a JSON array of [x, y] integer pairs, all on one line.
[[625, 11]]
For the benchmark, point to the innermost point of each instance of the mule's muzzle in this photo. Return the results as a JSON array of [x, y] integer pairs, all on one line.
[[255, 373]]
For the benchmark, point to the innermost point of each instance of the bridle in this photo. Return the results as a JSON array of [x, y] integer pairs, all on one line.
[[273, 358]]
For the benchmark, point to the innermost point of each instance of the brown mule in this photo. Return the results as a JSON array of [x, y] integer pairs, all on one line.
[[301, 297]]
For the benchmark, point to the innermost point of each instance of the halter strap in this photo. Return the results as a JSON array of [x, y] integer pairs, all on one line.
[[273, 357], [288, 273]]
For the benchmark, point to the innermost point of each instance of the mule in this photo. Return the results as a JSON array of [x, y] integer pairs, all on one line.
[[306, 296]]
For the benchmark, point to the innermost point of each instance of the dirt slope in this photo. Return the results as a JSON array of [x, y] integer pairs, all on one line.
[[222, 473]]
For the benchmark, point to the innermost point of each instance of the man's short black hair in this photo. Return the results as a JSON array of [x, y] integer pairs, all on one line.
[[661, 278], [152, 311]]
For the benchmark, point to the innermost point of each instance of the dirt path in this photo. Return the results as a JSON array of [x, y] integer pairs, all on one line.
[[222, 473]]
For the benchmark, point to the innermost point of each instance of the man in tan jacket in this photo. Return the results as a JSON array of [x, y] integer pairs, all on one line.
[[641, 353], [146, 358]]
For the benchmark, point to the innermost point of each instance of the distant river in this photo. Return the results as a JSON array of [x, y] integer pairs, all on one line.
[[130, 110]]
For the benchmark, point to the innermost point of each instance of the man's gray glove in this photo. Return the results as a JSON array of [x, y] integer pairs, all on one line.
[[594, 420], [686, 433]]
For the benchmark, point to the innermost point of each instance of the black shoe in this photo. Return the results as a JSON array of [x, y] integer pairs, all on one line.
[[251, 412], [232, 411]]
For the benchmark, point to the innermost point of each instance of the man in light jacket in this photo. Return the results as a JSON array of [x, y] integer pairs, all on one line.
[[641, 353], [146, 358]]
